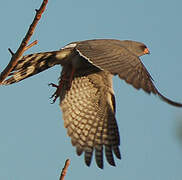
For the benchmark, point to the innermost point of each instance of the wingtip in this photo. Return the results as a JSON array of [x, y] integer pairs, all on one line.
[[173, 103]]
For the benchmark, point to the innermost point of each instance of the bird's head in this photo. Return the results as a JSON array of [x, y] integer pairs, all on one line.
[[137, 48]]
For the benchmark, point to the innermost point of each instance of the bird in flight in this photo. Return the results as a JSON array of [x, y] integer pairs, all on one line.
[[85, 89]]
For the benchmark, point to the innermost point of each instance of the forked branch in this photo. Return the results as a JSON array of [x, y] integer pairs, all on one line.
[[24, 44]]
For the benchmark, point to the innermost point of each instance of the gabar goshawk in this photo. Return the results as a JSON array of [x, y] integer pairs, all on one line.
[[85, 89]]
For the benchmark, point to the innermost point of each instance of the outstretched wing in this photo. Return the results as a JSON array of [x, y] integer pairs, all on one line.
[[89, 115], [120, 61], [33, 64]]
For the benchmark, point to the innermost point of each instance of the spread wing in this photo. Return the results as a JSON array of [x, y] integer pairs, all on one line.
[[89, 115], [120, 61]]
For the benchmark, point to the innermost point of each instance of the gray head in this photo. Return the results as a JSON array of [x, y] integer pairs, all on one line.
[[135, 47]]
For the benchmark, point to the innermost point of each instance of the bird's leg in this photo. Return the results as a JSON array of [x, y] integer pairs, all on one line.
[[71, 76], [58, 90], [61, 82], [55, 95]]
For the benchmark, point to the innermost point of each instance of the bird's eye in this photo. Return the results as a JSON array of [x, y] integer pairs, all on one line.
[[143, 47]]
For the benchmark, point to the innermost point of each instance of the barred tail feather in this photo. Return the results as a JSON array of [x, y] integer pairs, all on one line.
[[33, 64]]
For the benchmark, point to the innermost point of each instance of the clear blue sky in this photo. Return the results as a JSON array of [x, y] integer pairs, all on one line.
[[33, 141]]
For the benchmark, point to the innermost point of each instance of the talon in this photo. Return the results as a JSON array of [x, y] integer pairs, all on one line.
[[53, 85], [56, 93], [55, 97], [52, 96]]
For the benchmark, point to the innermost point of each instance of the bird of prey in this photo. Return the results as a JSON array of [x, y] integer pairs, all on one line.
[[85, 89]]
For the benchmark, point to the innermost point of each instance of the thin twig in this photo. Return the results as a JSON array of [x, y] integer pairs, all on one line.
[[12, 53], [64, 170], [23, 46], [31, 45]]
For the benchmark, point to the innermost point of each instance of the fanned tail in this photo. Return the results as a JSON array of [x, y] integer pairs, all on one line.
[[33, 64]]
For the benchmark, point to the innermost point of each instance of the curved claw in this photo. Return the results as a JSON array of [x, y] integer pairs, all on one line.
[[56, 93], [55, 97], [53, 85]]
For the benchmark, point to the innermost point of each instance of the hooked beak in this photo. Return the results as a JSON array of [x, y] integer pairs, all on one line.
[[146, 51]]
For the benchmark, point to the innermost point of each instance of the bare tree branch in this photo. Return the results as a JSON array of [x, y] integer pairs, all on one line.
[[64, 170], [23, 46], [31, 45], [12, 53]]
